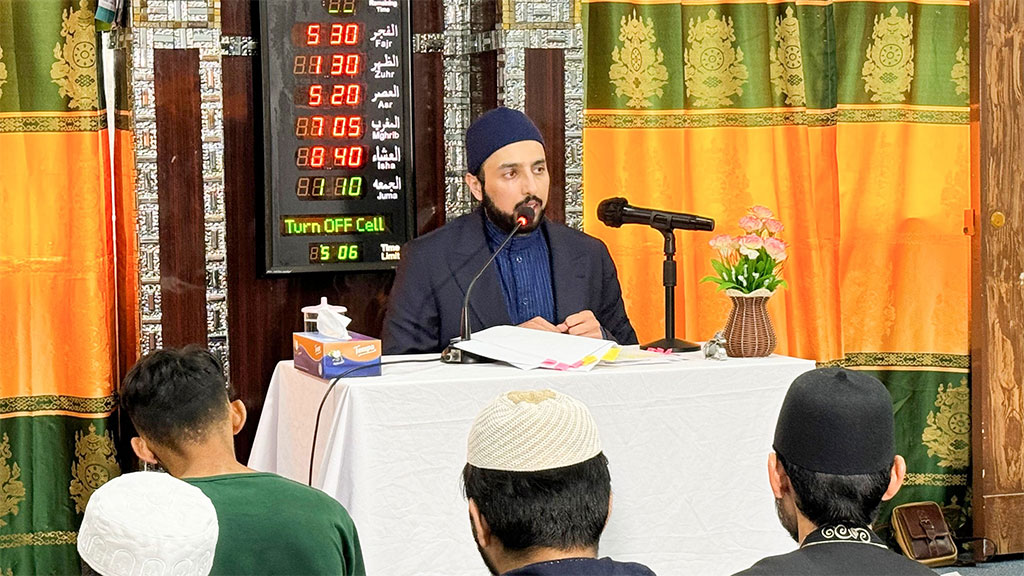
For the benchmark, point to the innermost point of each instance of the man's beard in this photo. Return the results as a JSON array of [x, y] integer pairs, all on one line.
[[787, 520], [506, 222]]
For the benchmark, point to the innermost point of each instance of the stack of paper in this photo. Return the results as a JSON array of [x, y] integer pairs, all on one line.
[[527, 349]]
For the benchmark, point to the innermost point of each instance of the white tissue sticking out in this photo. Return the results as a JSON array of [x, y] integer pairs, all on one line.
[[333, 324]]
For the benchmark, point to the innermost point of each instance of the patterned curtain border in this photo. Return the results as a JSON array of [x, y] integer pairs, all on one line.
[[883, 360], [69, 405], [53, 122], [55, 538]]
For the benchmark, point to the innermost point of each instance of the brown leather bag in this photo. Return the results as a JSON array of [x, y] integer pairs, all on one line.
[[922, 533]]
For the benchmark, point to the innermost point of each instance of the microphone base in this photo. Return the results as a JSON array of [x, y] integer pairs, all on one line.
[[453, 355], [674, 344]]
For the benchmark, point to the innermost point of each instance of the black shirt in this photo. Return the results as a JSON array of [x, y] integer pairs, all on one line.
[[582, 567], [840, 551]]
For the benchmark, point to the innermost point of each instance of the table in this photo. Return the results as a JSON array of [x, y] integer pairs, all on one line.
[[687, 444]]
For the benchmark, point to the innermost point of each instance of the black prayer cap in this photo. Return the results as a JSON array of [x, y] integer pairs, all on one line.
[[836, 421], [495, 130]]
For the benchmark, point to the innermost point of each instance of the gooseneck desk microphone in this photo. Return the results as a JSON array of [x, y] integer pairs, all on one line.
[[452, 355]]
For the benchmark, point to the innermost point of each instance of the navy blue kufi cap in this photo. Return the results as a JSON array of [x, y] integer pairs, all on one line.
[[494, 130], [836, 421]]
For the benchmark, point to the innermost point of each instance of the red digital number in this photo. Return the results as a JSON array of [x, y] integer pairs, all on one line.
[[345, 64], [345, 94], [313, 34], [317, 156], [347, 127], [344, 34], [316, 95], [309, 126], [348, 156]]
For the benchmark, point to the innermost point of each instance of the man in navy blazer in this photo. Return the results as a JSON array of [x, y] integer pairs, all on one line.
[[549, 277]]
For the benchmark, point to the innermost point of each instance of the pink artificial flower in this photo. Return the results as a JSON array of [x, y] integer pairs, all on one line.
[[724, 243], [773, 226], [761, 212], [750, 224], [750, 244], [776, 249]]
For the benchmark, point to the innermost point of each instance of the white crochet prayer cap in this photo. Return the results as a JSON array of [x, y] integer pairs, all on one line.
[[532, 430], [148, 524]]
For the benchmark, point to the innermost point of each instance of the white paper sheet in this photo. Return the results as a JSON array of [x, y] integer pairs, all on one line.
[[526, 348]]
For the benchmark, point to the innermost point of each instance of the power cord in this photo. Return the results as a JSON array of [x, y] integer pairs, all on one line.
[[330, 388]]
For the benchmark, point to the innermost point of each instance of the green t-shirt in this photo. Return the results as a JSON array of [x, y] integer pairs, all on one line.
[[272, 525]]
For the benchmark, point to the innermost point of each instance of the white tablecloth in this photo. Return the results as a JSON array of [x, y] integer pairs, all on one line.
[[687, 445]]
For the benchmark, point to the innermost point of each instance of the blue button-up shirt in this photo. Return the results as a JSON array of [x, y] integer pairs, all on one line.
[[524, 268]]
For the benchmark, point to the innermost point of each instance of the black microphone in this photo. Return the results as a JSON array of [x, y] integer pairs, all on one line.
[[615, 212], [525, 216]]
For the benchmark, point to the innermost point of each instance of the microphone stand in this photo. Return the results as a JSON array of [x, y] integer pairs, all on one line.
[[668, 278]]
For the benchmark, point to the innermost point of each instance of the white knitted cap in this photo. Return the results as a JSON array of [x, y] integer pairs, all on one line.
[[148, 523], [532, 430]]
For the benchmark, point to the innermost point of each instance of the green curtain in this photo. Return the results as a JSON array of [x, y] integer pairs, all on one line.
[[57, 296], [849, 120]]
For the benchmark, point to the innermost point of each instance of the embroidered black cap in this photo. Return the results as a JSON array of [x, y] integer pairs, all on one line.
[[836, 421], [494, 130]]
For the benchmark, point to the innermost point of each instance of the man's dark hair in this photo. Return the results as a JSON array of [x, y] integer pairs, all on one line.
[[561, 508], [836, 498], [172, 396]]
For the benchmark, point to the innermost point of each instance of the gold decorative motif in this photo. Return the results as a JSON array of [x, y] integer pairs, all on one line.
[[95, 463], [714, 73], [948, 433], [932, 479], [530, 396], [12, 490], [53, 402], [3, 72], [787, 62], [55, 538], [637, 70], [961, 73], [889, 68], [901, 359], [75, 68]]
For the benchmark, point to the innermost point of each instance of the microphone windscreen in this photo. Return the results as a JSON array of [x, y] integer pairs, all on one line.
[[525, 215], [610, 211]]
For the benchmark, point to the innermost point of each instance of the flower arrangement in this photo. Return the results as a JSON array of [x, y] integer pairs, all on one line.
[[751, 261]]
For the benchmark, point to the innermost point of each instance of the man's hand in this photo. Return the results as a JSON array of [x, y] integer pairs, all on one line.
[[538, 323], [582, 323]]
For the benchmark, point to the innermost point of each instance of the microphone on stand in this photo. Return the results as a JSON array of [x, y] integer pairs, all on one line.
[[452, 355], [615, 212]]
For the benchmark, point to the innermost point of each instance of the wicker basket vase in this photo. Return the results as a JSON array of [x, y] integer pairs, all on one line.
[[749, 331]]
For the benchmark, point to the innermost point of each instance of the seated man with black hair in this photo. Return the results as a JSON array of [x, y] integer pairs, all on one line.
[[539, 489], [180, 405], [834, 464]]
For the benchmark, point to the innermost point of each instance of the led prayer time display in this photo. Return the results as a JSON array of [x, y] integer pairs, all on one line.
[[337, 122]]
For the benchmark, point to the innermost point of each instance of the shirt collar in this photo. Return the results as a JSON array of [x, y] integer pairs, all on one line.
[[843, 534]]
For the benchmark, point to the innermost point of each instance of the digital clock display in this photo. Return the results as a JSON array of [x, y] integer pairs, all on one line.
[[337, 133], [334, 252]]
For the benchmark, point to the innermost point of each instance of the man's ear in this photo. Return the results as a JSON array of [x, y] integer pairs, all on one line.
[[777, 477], [475, 187], [142, 450], [238, 415], [896, 475], [481, 530]]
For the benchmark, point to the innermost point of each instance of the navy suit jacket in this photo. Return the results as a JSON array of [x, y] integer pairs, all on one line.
[[425, 304]]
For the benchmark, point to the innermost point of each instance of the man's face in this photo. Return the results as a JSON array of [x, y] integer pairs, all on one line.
[[514, 176]]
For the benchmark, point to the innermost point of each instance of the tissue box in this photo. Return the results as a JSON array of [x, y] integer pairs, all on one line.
[[329, 357]]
